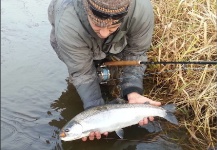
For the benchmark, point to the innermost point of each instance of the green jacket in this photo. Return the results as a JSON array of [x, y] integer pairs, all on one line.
[[77, 45]]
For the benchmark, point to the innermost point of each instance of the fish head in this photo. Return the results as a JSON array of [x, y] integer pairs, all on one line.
[[71, 131]]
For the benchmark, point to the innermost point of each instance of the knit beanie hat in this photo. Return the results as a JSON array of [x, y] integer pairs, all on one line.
[[106, 12]]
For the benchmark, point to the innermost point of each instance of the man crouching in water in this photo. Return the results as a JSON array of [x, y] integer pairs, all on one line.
[[84, 31]]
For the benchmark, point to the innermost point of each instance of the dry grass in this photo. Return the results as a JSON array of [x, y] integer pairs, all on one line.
[[185, 30]]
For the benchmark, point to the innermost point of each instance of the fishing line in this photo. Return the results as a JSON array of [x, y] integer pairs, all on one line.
[[130, 140], [155, 138]]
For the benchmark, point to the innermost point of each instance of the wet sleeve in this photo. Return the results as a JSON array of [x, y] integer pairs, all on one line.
[[79, 61], [139, 41], [78, 57]]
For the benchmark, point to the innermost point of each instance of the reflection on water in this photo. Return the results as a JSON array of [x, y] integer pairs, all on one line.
[[69, 105], [160, 144]]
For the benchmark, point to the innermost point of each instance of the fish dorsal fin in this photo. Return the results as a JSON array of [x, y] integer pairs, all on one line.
[[120, 133]]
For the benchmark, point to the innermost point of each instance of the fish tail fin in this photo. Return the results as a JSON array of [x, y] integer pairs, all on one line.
[[171, 118], [170, 109]]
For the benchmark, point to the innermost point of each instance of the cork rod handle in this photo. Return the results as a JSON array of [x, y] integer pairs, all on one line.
[[122, 63]]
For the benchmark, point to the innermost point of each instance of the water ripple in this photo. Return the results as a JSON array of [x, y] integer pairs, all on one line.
[[16, 116], [8, 130], [18, 131]]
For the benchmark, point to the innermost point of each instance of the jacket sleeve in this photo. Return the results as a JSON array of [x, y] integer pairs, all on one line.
[[77, 56], [79, 61], [139, 41]]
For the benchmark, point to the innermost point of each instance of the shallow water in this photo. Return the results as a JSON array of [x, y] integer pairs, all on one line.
[[36, 99]]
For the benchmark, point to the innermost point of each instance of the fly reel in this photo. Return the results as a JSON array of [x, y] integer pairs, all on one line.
[[103, 74]]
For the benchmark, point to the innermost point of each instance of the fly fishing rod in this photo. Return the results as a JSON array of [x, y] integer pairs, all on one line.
[[104, 72], [135, 63]]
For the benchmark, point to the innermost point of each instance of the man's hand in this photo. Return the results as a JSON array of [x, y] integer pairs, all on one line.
[[137, 98], [92, 136]]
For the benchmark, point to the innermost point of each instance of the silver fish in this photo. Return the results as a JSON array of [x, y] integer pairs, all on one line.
[[113, 117]]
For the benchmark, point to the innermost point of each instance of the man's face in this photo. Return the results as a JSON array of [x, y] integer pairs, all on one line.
[[103, 32]]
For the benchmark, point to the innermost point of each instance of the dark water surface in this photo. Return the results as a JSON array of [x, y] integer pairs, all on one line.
[[36, 99]]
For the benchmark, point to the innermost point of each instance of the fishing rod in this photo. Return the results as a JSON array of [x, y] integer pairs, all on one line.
[[135, 63], [105, 75]]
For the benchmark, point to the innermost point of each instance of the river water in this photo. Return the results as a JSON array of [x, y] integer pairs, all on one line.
[[36, 99]]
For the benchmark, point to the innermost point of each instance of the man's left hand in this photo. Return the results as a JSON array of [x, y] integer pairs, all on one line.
[[137, 98]]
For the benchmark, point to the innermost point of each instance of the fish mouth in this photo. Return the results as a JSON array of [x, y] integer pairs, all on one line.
[[62, 134]]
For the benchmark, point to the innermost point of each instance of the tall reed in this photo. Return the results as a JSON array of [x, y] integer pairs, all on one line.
[[185, 30]]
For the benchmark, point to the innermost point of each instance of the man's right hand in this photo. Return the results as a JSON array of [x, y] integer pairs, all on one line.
[[96, 134]]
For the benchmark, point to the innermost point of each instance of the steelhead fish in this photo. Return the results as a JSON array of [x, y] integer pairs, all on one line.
[[113, 117]]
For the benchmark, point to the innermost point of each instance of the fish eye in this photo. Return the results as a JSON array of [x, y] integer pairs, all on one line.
[[66, 130]]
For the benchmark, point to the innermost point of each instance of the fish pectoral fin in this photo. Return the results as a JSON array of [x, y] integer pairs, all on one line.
[[120, 133]]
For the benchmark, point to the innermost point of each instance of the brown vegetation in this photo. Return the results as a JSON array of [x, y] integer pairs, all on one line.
[[185, 30]]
